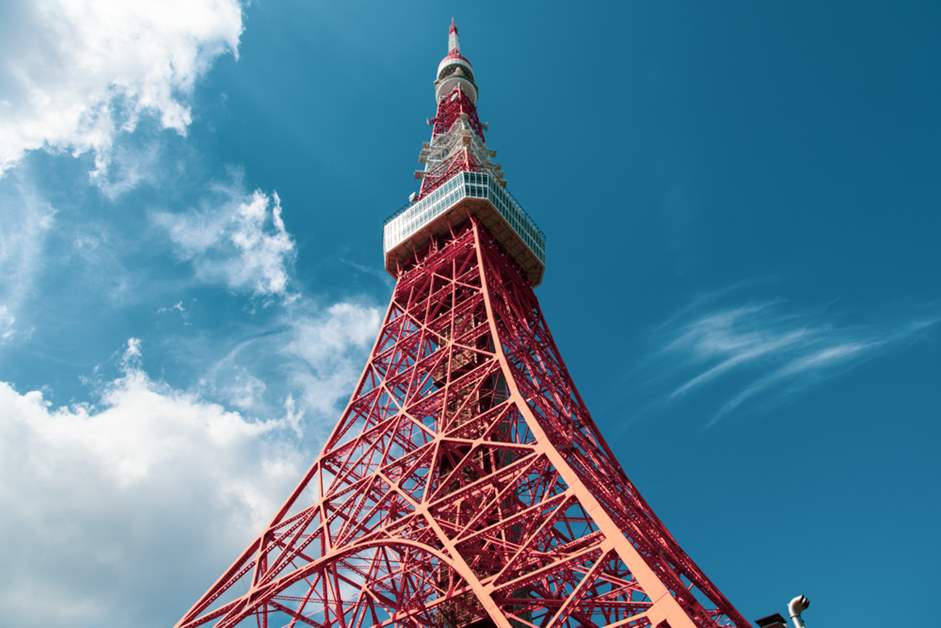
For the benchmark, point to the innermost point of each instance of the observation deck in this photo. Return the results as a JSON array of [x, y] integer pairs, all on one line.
[[466, 194]]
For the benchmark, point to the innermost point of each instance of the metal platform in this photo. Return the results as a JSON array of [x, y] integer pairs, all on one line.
[[466, 194]]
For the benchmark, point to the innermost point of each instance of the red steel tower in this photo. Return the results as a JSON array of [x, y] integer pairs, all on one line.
[[465, 483]]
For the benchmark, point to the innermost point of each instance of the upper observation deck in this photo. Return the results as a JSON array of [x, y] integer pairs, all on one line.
[[466, 194]]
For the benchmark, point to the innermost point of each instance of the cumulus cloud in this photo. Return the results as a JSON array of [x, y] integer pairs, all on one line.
[[121, 512], [310, 358], [77, 73], [234, 237], [328, 350], [766, 349]]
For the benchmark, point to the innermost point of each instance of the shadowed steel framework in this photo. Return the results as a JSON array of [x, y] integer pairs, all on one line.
[[465, 483]]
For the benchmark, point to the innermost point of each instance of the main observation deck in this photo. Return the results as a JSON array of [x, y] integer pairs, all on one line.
[[463, 195]]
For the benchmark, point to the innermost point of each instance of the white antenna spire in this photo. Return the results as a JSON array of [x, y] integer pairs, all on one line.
[[454, 43]]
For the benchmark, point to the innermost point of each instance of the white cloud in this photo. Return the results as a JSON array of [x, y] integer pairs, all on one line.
[[241, 389], [323, 340], [235, 238], [766, 349], [312, 356], [7, 323], [814, 364], [25, 220], [327, 351], [129, 165], [77, 73], [121, 513], [180, 310]]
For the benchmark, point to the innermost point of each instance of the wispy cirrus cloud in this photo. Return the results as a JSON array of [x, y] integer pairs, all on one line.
[[25, 220], [767, 349]]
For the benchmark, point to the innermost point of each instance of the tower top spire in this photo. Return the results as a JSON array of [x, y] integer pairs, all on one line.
[[455, 70], [454, 44], [460, 177]]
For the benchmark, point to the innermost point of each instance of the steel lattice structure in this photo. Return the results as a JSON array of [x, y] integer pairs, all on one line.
[[465, 483]]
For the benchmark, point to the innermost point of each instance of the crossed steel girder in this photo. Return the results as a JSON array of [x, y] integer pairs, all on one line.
[[464, 484], [457, 143]]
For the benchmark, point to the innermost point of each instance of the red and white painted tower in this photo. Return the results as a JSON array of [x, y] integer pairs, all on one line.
[[465, 483]]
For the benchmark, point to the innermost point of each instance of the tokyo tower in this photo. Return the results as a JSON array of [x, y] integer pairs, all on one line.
[[465, 484]]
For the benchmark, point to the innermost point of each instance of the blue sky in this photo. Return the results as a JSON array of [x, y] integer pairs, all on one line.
[[741, 206]]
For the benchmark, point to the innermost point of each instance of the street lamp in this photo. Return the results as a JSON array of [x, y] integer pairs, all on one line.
[[795, 607], [772, 621]]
